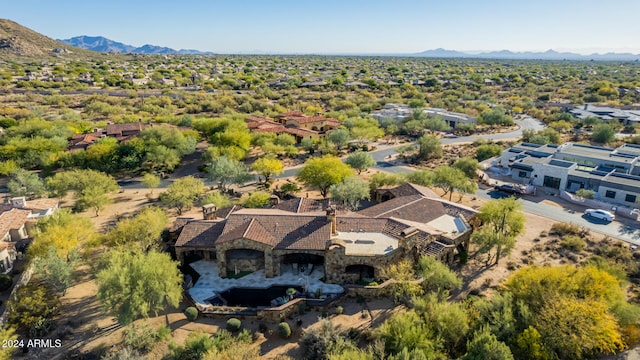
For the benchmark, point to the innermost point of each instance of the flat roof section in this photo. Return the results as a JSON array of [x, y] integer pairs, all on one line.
[[367, 243]]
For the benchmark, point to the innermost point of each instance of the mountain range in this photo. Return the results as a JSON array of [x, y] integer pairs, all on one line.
[[546, 55], [17, 41], [102, 44]]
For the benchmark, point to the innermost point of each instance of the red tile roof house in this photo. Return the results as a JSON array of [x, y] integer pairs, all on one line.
[[17, 220], [346, 247], [268, 125]]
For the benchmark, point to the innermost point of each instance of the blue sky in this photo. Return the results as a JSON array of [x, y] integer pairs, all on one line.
[[346, 26]]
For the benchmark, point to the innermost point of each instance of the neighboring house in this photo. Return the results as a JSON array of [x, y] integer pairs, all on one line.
[[613, 174], [268, 125], [296, 119], [605, 113], [120, 132], [453, 119], [348, 246], [7, 257], [402, 112]]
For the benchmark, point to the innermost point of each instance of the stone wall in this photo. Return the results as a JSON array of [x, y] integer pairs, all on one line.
[[221, 254], [275, 314], [336, 262], [245, 264]]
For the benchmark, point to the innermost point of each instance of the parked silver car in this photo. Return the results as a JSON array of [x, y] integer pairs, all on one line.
[[600, 214]]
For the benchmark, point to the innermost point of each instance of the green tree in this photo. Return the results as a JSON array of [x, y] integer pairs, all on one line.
[[7, 335], [226, 171], [603, 133], [451, 179], [436, 123], [487, 151], [151, 181], [26, 183], [217, 198], [90, 187], [437, 276], [339, 137], [350, 191], [34, 303], [468, 165], [141, 232], [55, 270], [138, 284], [324, 172], [485, 346], [182, 193], [429, 147], [408, 330], [268, 167], [360, 161], [502, 220], [63, 231], [495, 116], [255, 199]]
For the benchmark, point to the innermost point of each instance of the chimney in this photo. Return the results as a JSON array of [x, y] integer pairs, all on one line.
[[19, 202], [331, 216], [209, 212], [274, 200]]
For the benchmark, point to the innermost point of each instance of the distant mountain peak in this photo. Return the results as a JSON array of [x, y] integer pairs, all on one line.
[[102, 44], [528, 55]]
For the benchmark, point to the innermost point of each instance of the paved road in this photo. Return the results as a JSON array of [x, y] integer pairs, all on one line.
[[525, 123], [623, 229]]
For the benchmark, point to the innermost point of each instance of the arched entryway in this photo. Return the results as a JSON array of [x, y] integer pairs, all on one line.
[[301, 263], [241, 261], [360, 273]]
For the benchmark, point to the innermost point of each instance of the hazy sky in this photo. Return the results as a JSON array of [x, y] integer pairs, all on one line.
[[342, 26]]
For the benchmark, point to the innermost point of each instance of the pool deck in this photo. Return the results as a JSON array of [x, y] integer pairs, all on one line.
[[210, 283]]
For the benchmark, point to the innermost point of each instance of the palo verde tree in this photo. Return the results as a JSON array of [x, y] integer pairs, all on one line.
[[182, 193], [226, 171], [324, 172], [132, 285], [26, 183], [360, 161], [501, 221], [142, 232], [350, 191], [63, 231], [451, 179], [268, 168], [90, 187]]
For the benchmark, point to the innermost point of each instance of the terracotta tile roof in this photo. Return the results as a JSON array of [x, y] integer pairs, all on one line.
[[118, 129], [389, 205], [12, 220], [225, 212], [82, 141], [408, 189], [301, 205], [179, 224], [200, 233], [257, 232], [420, 210]]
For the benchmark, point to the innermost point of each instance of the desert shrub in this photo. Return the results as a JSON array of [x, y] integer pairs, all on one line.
[[573, 242], [191, 313], [321, 341], [35, 305], [233, 324], [563, 229], [42, 327], [142, 337], [284, 330], [5, 282], [339, 310], [586, 194], [123, 354]]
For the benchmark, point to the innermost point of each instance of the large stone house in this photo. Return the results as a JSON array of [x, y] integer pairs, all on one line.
[[349, 246]]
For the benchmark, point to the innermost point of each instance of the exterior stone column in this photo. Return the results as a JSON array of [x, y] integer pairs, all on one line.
[[222, 263]]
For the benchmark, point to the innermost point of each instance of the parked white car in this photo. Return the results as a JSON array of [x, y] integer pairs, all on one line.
[[600, 214]]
